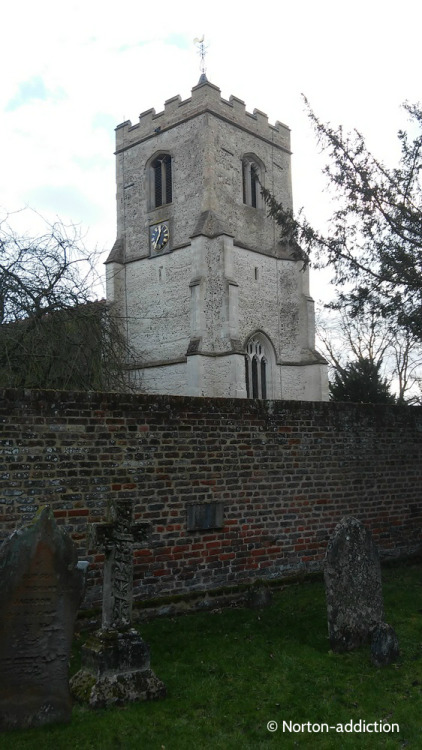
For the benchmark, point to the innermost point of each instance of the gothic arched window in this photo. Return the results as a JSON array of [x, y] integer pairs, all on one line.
[[161, 180], [252, 172], [256, 368]]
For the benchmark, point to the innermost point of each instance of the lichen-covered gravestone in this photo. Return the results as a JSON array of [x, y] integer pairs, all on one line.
[[115, 660], [352, 576], [41, 587], [384, 645]]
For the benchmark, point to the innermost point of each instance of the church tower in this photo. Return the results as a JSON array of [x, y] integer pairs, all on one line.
[[211, 303]]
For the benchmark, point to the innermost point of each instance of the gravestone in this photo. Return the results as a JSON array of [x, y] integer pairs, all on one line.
[[384, 645], [118, 539], [41, 587], [116, 660], [352, 576], [259, 596]]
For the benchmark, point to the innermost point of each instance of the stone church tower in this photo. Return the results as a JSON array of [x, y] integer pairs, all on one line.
[[211, 304]]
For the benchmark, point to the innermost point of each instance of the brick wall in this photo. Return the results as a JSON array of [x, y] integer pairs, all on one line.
[[282, 474]]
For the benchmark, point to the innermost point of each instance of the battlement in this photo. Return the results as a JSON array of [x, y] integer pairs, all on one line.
[[205, 98]]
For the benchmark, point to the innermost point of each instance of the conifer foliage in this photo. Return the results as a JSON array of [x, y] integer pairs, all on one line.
[[374, 238], [361, 382]]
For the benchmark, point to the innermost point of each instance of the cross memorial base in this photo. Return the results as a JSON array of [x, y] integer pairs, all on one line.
[[115, 670]]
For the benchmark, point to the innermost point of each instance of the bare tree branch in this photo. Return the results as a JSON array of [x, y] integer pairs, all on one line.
[[53, 333], [374, 237]]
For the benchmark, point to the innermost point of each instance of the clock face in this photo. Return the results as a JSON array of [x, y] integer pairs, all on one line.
[[160, 236]]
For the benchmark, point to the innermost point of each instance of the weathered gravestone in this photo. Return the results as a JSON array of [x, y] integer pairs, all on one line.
[[115, 660], [352, 576], [384, 645], [259, 596], [41, 587]]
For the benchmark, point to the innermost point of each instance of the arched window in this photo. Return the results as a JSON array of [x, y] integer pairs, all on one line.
[[256, 368], [252, 172], [161, 180]]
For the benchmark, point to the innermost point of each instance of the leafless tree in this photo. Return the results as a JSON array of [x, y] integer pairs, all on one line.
[[53, 333], [397, 352]]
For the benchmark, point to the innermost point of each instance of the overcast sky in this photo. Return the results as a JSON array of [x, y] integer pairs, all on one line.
[[73, 71]]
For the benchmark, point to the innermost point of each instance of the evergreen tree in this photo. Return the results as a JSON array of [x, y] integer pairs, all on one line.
[[374, 238], [361, 382], [343, 339]]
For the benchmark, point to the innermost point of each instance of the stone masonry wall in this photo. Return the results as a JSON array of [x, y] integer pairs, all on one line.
[[279, 475]]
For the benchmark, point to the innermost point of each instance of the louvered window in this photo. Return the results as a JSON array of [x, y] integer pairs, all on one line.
[[162, 177], [251, 174], [168, 179], [254, 180]]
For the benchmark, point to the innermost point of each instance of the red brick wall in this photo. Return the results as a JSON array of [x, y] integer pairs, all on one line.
[[286, 472]]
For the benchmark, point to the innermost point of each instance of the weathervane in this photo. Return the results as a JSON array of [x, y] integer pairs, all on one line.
[[202, 51]]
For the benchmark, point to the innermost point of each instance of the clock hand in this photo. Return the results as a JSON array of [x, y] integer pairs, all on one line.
[[155, 239]]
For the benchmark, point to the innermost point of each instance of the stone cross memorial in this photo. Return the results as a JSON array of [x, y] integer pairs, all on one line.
[[41, 587], [115, 660], [118, 539]]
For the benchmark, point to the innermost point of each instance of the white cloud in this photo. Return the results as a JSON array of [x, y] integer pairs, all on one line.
[[75, 71]]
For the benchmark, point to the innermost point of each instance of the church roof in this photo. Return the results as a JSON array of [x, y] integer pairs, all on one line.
[[116, 254]]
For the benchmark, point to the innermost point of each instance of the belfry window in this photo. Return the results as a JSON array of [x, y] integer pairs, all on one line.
[[161, 180], [256, 369], [251, 174]]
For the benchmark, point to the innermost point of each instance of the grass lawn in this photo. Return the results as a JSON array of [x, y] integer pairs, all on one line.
[[228, 674]]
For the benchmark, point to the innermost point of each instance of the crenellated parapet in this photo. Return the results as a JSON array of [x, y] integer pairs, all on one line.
[[206, 97]]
